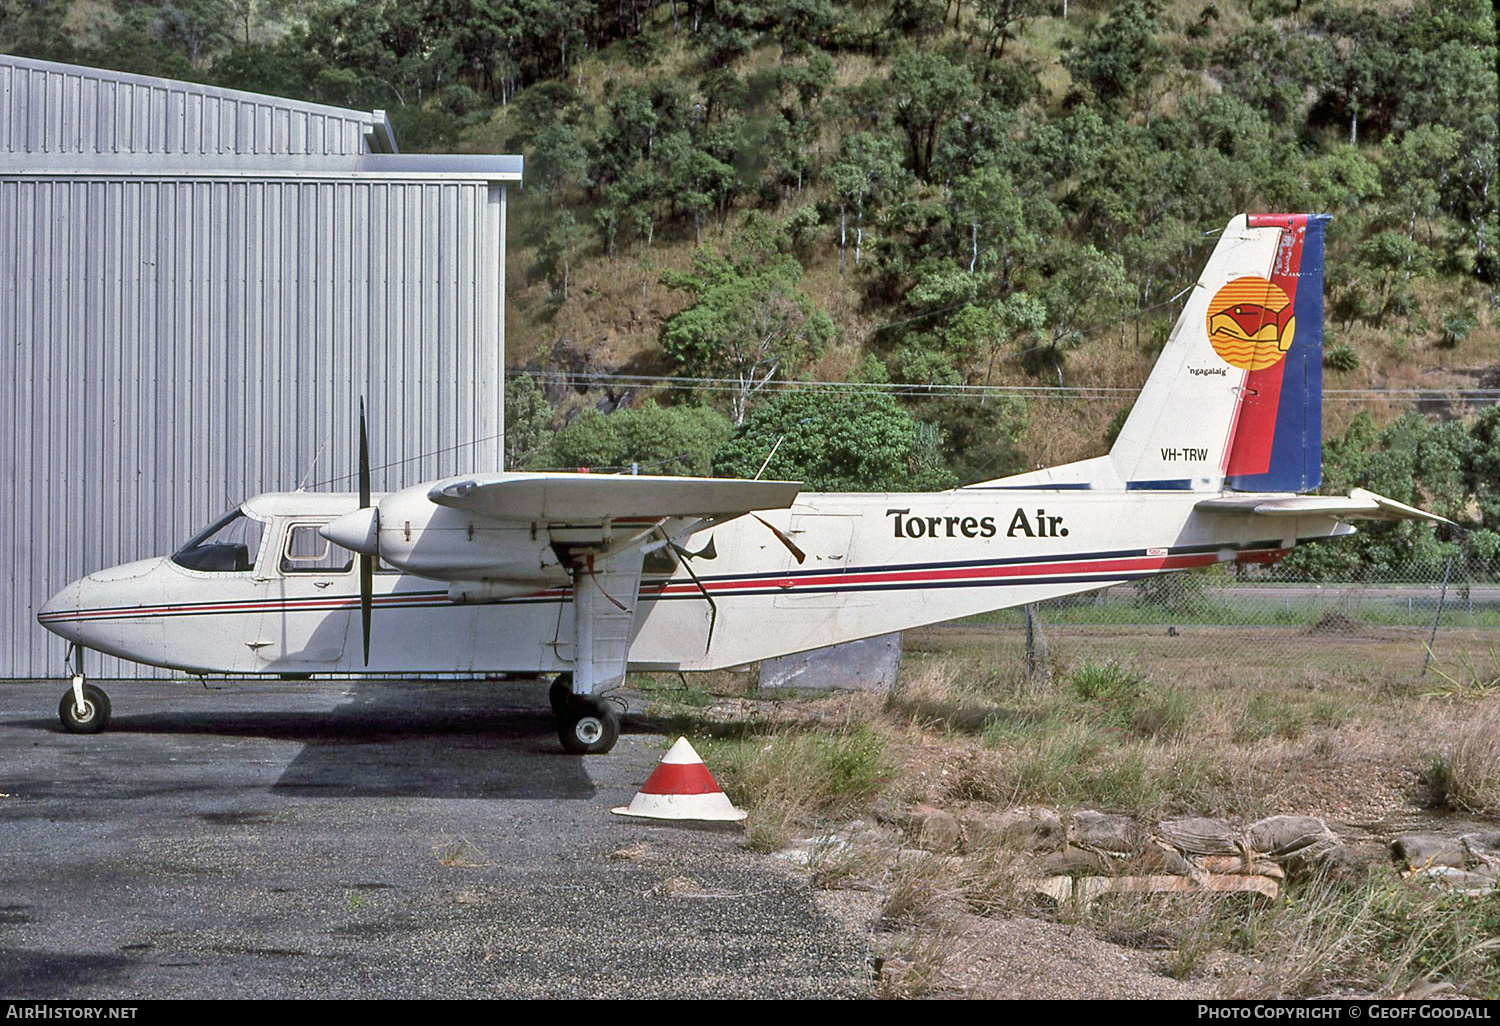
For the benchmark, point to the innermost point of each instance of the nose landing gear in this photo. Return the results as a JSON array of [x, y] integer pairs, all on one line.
[[84, 708]]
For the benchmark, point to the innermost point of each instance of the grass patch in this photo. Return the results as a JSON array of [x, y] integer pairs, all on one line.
[[1383, 936], [787, 780], [1288, 717], [1465, 774]]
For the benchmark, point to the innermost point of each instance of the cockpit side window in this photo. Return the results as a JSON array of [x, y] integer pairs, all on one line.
[[308, 552], [228, 545]]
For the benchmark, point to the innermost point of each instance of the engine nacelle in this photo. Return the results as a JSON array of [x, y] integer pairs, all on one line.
[[416, 536], [473, 593]]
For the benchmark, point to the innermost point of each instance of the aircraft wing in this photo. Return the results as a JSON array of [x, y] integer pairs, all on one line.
[[571, 498], [1359, 504]]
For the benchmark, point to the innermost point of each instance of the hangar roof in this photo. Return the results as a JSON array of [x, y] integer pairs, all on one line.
[[65, 120]]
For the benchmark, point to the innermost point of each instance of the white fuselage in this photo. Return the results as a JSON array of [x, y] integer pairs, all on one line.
[[875, 563]]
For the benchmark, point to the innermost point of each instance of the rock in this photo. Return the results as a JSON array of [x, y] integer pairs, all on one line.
[[1017, 829], [1075, 862], [935, 829], [1106, 833], [1158, 859], [1423, 851], [1483, 849], [1459, 880], [1296, 841], [1200, 836]]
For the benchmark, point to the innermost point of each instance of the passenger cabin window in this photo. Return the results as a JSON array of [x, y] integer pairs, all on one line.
[[228, 545], [308, 552]]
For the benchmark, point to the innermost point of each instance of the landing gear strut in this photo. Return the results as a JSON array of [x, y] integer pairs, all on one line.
[[84, 708]]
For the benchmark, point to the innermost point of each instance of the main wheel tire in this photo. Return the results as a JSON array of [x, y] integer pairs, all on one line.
[[95, 715], [561, 693], [591, 726]]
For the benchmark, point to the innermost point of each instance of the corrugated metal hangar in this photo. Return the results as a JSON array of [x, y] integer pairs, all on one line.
[[197, 286]]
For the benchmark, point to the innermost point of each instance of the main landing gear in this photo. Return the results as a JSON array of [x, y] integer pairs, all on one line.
[[84, 708], [586, 724]]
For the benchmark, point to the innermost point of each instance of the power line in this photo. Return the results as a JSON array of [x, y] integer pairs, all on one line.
[[1087, 392]]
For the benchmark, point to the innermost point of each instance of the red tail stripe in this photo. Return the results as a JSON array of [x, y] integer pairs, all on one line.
[[1255, 428]]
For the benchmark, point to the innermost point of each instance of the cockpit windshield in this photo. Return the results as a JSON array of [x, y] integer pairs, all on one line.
[[228, 545]]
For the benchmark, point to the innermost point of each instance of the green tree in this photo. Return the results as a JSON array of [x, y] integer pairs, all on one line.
[[923, 92], [867, 169], [560, 248], [528, 423], [749, 324], [1004, 226], [1416, 169], [1121, 56], [1442, 467], [1367, 59], [1087, 289], [557, 161], [997, 22], [1388, 262], [656, 439], [840, 442], [1272, 70]]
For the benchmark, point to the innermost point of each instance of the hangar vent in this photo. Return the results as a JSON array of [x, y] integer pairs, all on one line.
[[197, 286]]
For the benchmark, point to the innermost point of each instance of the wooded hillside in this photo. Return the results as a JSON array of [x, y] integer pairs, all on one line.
[[966, 223]]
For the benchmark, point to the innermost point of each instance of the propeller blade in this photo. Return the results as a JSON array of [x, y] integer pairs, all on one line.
[[366, 561], [366, 598], [364, 459]]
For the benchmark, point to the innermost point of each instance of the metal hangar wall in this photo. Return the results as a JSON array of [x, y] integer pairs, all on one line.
[[197, 286]]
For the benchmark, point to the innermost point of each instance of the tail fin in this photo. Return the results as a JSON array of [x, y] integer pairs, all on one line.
[[1236, 397]]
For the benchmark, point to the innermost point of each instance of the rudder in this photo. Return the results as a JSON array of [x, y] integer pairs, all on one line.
[[1278, 439]]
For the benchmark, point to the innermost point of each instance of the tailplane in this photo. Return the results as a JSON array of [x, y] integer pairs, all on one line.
[[1236, 398]]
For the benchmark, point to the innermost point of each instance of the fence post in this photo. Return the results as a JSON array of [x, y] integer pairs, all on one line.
[[1036, 647], [1436, 616]]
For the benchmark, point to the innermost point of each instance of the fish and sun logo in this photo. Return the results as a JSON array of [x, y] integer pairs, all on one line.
[[1250, 323]]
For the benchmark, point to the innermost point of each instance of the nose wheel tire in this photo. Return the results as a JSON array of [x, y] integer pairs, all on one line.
[[92, 718], [588, 726], [561, 693]]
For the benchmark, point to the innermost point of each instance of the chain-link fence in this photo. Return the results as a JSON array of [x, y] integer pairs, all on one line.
[[1433, 624]]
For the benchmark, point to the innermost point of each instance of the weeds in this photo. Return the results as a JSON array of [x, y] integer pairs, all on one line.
[[1473, 679], [786, 779], [916, 965], [1382, 936], [1465, 775], [1190, 928], [923, 891], [1109, 735]]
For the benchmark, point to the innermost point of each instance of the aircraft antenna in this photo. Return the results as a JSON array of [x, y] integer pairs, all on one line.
[[769, 455], [302, 485]]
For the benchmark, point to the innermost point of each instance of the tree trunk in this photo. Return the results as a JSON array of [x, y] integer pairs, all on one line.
[[843, 237]]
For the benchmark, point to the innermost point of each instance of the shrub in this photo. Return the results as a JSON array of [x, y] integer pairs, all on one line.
[[1341, 357]]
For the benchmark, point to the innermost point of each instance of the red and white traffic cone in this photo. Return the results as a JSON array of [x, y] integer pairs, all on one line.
[[681, 787]]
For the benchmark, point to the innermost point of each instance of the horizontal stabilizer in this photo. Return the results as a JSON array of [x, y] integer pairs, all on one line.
[[1357, 505], [573, 498]]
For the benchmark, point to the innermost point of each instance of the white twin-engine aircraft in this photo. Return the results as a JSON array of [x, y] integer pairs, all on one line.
[[588, 576]]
